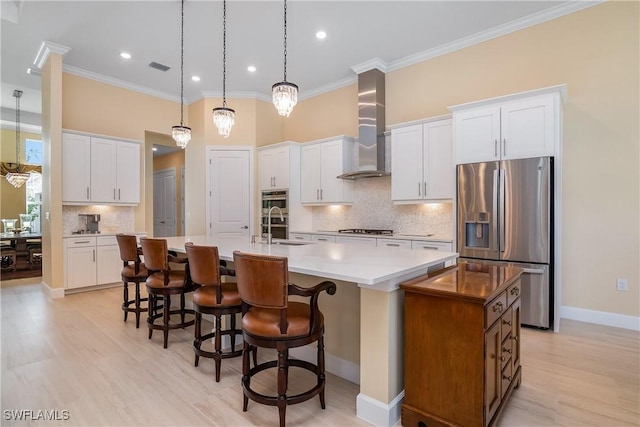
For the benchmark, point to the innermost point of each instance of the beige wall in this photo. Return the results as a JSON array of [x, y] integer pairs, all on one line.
[[173, 161], [13, 201], [595, 52]]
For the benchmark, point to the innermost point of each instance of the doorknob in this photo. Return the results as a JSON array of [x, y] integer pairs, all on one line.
[[245, 227]]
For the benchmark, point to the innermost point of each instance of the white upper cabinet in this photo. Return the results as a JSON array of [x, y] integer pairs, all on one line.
[[320, 164], [513, 127], [99, 170], [422, 162], [76, 168], [273, 168]]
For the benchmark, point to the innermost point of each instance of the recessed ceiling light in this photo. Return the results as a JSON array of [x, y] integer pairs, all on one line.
[[155, 148], [321, 35], [33, 71], [251, 69], [195, 78], [125, 55]]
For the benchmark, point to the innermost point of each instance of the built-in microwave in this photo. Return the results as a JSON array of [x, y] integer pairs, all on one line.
[[279, 227]]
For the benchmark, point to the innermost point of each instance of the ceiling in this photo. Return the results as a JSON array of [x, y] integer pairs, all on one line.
[[397, 33]]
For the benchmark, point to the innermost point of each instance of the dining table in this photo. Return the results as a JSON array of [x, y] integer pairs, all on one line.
[[20, 242]]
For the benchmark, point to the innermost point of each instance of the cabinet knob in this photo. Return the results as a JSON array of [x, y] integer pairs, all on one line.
[[498, 307]]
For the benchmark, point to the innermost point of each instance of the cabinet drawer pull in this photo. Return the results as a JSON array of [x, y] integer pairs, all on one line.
[[94, 255], [419, 190], [298, 238], [495, 147], [317, 194], [506, 322], [77, 242], [505, 377], [515, 291], [498, 307], [87, 193], [430, 247], [397, 245], [118, 194]]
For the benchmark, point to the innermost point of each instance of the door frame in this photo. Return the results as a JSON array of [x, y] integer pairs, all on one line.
[[210, 150]]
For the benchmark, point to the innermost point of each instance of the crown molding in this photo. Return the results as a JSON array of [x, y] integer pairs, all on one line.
[[328, 88], [46, 49], [370, 65], [502, 30], [237, 95], [119, 83]]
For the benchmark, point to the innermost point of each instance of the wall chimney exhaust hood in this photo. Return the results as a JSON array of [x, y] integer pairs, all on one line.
[[371, 109]]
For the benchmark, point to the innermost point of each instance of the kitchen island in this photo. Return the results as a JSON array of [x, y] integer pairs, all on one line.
[[377, 272]]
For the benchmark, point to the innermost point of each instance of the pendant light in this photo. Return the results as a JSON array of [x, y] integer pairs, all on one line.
[[17, 177], [224, 117], [181, 134], [285, 94]]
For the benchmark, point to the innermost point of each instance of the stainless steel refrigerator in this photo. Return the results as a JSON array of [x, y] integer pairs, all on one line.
[[505, 216]]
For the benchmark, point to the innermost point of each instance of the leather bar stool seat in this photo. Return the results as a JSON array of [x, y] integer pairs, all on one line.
[[162, 283], [270, 320], [216, 298], [133, 271]]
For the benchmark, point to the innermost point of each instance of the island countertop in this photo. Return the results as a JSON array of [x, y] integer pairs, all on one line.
[[365, 265]]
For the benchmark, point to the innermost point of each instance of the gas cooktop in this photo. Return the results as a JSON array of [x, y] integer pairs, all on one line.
[[364, 231]]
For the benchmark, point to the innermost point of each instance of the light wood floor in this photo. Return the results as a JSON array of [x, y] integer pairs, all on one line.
[[77, 354]]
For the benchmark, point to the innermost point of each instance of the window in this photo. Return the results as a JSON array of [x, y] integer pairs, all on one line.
[[33, 156]]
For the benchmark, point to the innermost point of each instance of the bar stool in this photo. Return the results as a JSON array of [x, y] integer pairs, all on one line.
[[162, 283], [216, 298], [271, 320], [133, 271]]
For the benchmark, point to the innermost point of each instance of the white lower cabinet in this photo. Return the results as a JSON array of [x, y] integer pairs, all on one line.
[[91, 260], [371, 241], [394, 243], [323, 238]]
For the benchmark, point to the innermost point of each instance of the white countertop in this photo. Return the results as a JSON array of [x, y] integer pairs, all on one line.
[[399, 236], [137, 233], [365, 265]]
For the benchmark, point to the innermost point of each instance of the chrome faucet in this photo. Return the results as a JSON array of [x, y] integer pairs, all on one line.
[[269, 222]]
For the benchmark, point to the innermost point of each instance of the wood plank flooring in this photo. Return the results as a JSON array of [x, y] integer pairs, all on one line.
[[77, 354]]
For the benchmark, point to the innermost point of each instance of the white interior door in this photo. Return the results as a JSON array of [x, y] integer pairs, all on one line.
[[164, 203], [229, 181]]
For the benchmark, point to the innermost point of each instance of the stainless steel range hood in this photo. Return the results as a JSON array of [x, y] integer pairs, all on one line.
[[371, 145]]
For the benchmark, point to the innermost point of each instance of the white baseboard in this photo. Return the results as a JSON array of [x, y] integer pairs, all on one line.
[[333, 364], [52, 293], [378, 413], [600, 317]]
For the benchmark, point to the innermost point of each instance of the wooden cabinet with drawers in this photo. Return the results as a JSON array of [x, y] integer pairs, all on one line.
[[462, 345]]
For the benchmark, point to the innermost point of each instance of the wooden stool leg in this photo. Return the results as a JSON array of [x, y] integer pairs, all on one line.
[[233, 332], [282, 385], [246, 379], [182, 303], [151, 312], [166, 317], [321, 377], [125, 299], [218, 347], [137, 282], [197, 341]]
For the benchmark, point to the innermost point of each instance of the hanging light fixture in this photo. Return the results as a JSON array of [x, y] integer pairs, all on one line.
[[224, 117], [17, 177], [285, 94], [181, 134]]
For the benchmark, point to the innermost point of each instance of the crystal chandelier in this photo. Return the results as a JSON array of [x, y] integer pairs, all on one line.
[[224, 117], [17, 178], [285, 94], [181, 134]]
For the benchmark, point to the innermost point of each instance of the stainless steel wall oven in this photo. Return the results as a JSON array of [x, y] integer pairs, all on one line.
[[279, 228]]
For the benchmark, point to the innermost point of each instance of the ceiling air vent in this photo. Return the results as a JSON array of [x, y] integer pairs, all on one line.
[[158, 66]]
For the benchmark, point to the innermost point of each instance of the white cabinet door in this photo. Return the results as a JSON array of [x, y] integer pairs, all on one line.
[[310, 174], [273, 164], [128, 172], [477, 134], [406, 163], [371, 241], [76, 168], [439, 170], [81, 267], [109, 264], [323, 238], [103, 170], [265, 169], [332, 189], [529, 128]]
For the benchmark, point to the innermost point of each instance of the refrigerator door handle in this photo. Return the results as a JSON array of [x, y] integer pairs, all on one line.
[[501, 213], [494, 220], [533, 270]]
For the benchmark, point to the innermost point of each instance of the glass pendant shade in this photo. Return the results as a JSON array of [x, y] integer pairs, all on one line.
[[18, 179], [285, 97], [181, 135], [224, 118]]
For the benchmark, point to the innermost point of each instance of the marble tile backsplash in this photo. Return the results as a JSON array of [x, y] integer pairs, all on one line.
[[373, 208], [113, 219]]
